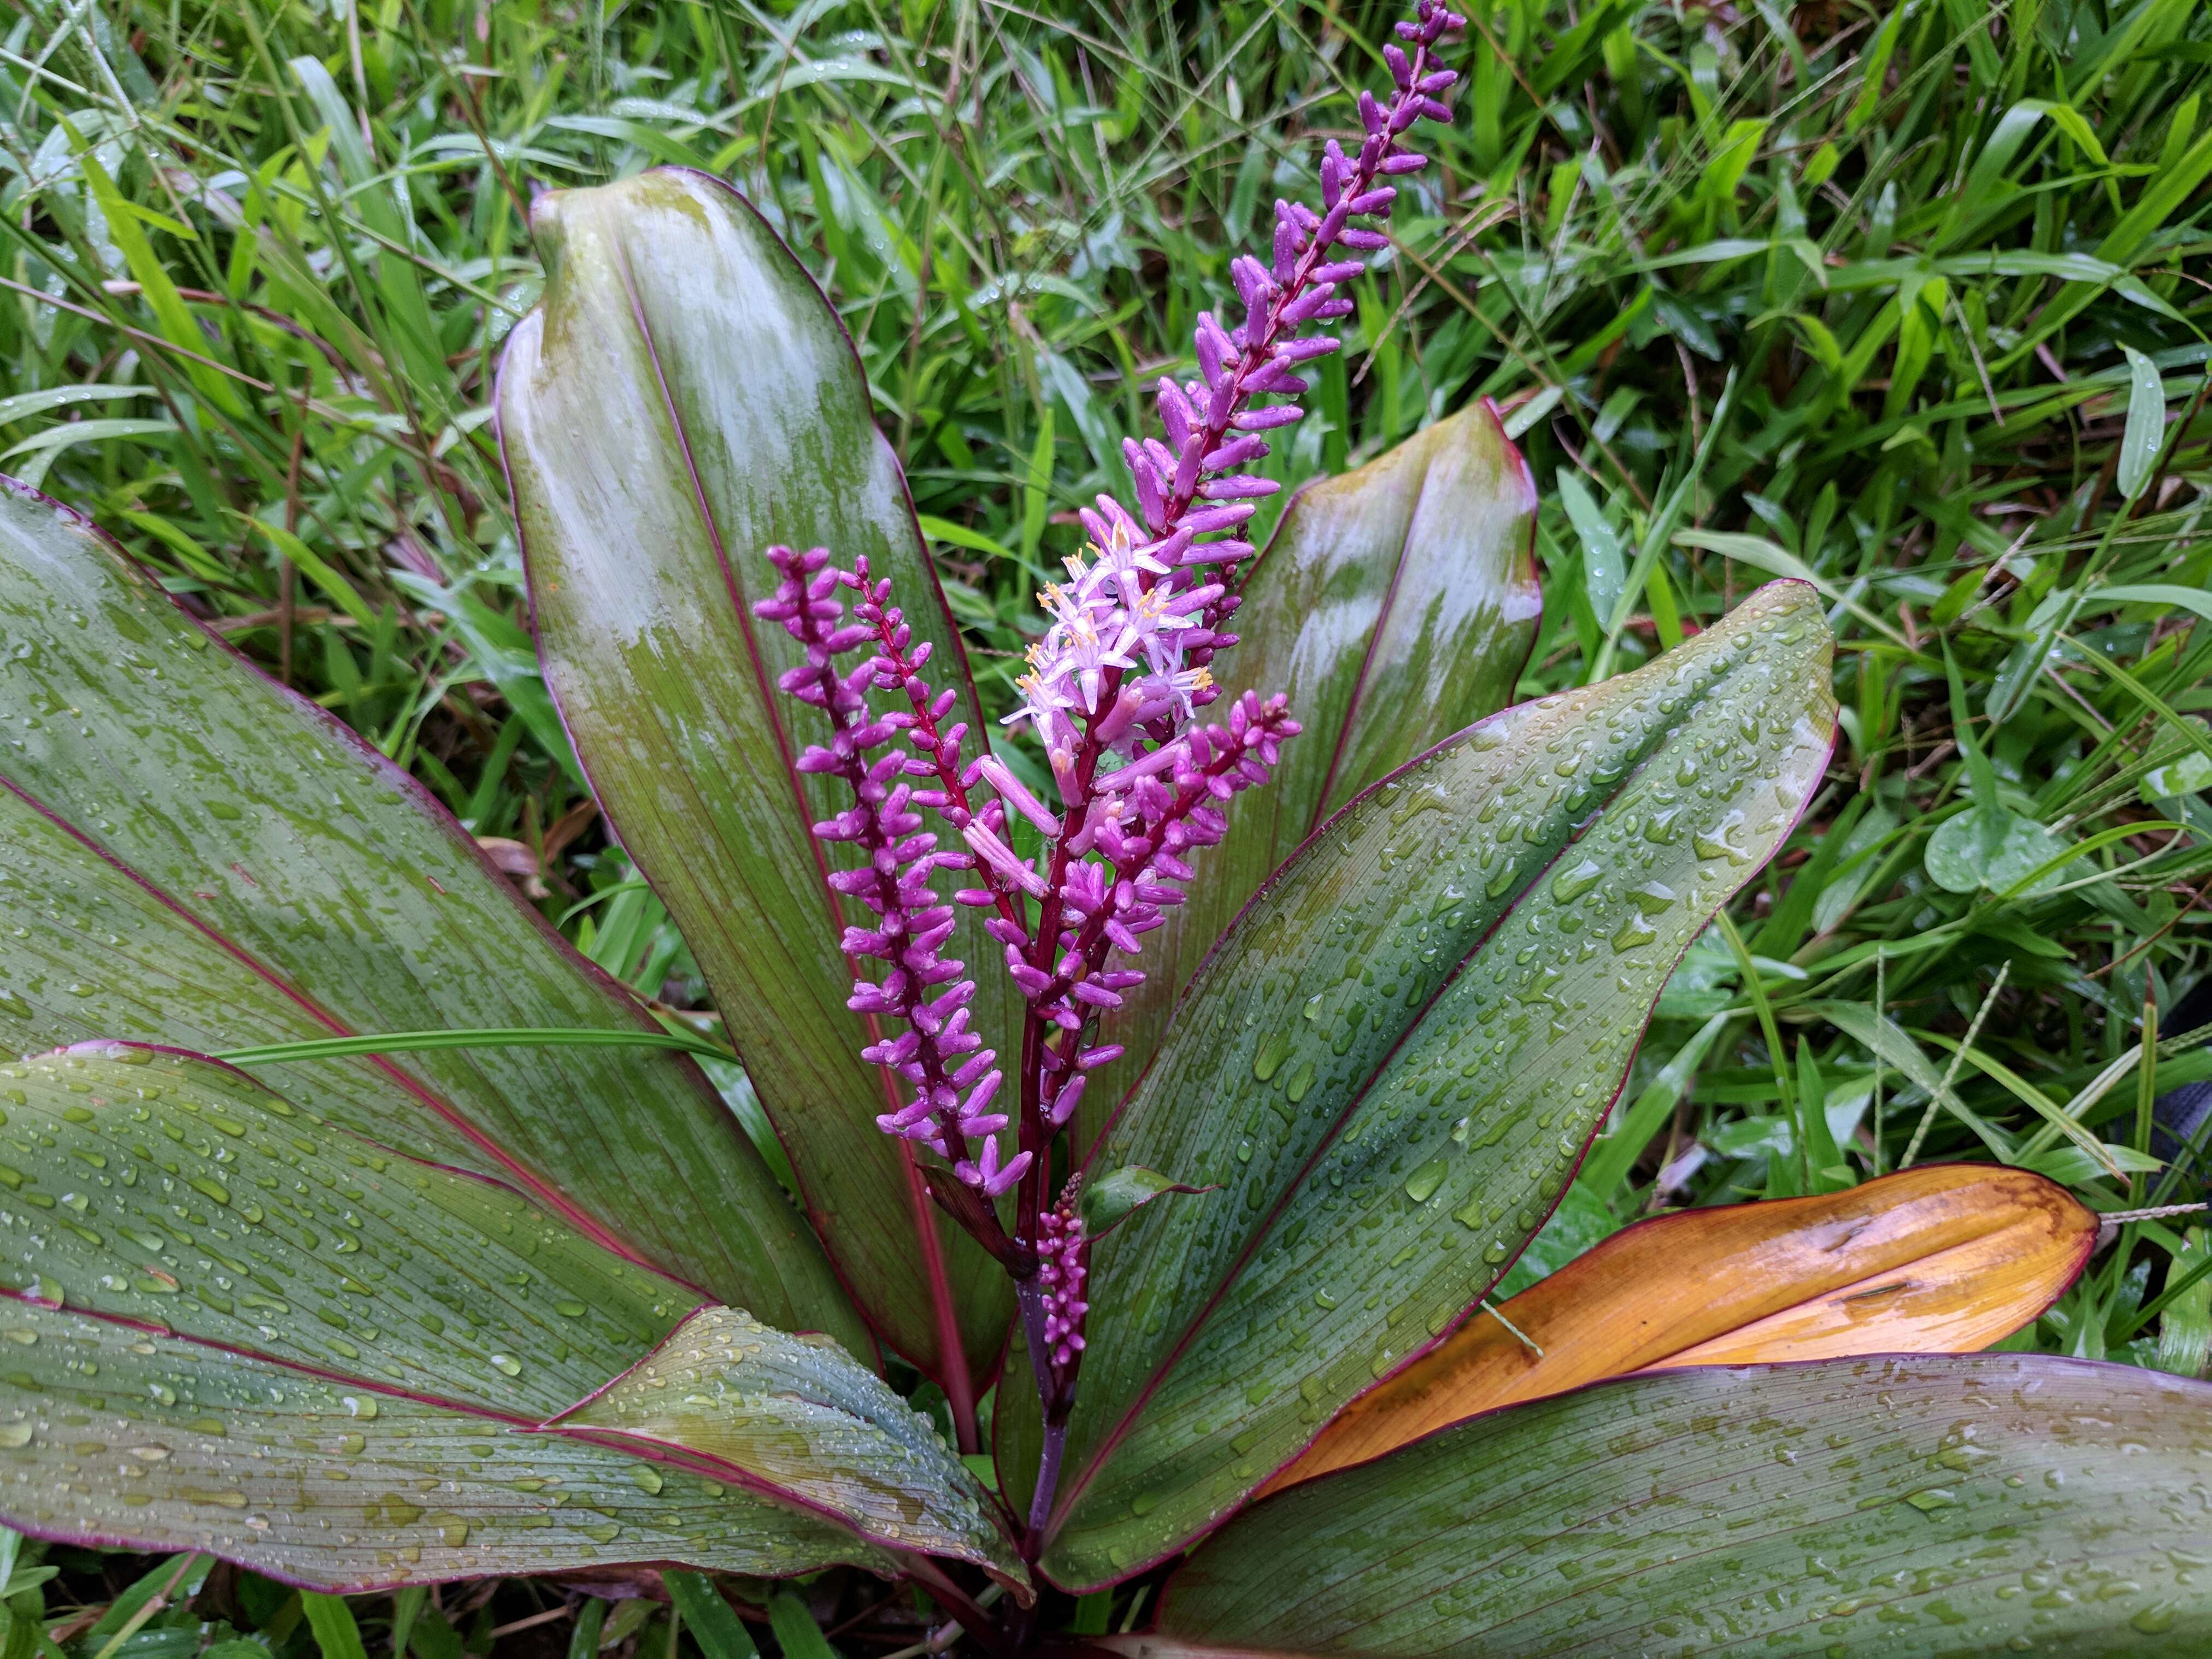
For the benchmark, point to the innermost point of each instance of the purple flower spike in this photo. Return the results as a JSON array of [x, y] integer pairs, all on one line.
[[938, 1057], [1112, 694], [1062, 1252], [987, 1172]]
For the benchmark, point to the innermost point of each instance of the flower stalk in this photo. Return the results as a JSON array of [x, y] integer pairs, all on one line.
[[1112, 694]]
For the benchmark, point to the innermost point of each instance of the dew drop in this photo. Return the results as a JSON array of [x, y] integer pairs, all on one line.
[[1635, 931], [1424, 1182]]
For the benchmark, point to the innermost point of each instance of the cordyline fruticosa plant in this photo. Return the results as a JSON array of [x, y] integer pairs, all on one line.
[[1176, 1077]]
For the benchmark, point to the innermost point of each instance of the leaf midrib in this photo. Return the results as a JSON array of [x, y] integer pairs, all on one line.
[[1660, 734], [1382, 616], [943, 1313], [523, 1178]]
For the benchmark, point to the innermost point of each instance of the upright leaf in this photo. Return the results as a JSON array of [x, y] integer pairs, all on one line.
[[683, 399], [715, 1631], [1943, 1259], [288, 1346], [337, 1632], [1395, 606], [1393, 1063], [1983, 1503], [2145, 433], [197, 855]]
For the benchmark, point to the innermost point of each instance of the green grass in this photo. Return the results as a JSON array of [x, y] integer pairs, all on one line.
[[1909, 298]]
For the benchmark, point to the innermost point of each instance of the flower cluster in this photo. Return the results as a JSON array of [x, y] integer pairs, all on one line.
[[948, 1070], [1113, 692], [1114, 619], [1194, 484], [1115, 870], [1061, 1270]]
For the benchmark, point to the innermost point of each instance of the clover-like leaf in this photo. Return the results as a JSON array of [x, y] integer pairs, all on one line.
[[1975, 1504], [350, 1350], [197, 856], [1992, 848], [685, 399], [1394, 1060], [1943, 1259], [1394, 606]]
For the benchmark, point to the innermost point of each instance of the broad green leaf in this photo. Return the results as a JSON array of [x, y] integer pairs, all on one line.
[[197, 857], [1395, 606], [683, 399], [326, 1484], [839, 1438], [150, 1190], [1393, 1062], [179, 1193], [1978, 1504]]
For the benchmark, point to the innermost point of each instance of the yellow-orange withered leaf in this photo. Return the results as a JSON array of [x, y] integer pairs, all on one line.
[[1945, 1259]]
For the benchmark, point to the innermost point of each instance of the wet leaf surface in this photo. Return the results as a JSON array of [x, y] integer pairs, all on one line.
[[121, 1436], [1402, 1051], [1980, 1503], [179, 1193], [683, 399], [834, 1434], [1394, 606], [285, 1263], [247, 869]]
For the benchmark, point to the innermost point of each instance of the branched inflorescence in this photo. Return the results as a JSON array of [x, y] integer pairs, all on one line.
[[948, 1070], [1112, 694]]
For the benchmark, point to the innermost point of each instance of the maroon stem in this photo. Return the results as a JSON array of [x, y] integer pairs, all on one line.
[[1054, 1404]]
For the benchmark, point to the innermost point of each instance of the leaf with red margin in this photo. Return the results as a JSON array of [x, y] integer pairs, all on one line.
[[1974, 1503], [1393, 1061], [265, 1269], [195, 855], [835, 1433], [683, 399], [367, 1491], [1394, 606]]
